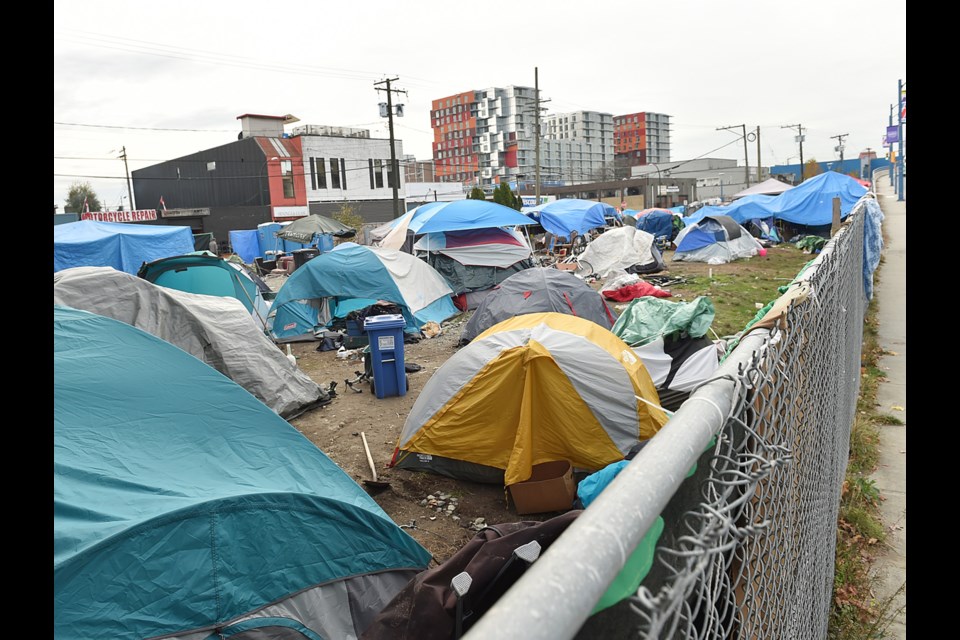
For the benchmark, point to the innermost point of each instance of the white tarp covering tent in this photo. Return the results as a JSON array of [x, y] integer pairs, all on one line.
[[216, 330], [769, 187], [618, 249]]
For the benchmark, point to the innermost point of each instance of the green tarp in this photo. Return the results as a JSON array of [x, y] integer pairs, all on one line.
[[646, 319]]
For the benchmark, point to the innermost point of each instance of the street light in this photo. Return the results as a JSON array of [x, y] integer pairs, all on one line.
[[657, 196]]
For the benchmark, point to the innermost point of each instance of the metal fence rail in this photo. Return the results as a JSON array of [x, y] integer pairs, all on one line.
[[749, 540]]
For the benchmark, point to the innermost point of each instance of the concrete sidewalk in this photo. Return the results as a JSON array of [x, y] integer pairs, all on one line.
[[891, 474]]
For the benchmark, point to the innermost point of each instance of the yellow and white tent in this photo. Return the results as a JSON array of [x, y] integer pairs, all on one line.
[[531, 389]]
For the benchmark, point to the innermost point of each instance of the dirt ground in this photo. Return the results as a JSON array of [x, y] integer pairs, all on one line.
[[336, 427]]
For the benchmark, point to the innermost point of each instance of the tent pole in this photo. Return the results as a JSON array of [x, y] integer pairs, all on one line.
[[533, 254]]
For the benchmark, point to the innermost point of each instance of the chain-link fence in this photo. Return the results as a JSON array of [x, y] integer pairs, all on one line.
[[748, 546]]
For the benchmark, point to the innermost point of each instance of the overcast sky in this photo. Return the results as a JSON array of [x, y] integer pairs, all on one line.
[[166, 79]]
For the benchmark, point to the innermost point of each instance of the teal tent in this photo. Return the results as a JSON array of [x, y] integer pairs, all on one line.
[[183, 507], [207, 274]]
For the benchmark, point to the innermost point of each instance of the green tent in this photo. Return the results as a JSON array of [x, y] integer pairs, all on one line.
[[183, 507]]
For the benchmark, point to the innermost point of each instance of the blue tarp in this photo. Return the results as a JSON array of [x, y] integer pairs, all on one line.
[[180, 501], [461, 215], [119, 245], [872, 243], [657, 223], [560, 217], [353, 276], [246, 244], [267, 238], [809, 204]]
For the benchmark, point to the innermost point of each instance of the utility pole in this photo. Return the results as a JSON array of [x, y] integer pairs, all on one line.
[[759, 166], [536, 120], [839, 148], [901, 104], [394, 169], [800, 140], [123, 154], [746, 158]]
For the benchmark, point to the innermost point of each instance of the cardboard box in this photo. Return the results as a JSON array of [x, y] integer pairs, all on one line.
[[550, 488], [568, 266]]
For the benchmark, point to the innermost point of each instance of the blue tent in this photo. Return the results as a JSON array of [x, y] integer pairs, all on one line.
[[809, 204], [560, 217], [353, 276], [119, 245], [181, 503]]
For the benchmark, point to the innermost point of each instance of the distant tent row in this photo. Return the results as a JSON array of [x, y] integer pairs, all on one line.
[[184, 508], [809, 204]]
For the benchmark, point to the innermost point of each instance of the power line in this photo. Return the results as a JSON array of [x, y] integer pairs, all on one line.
[[142, 47], [114, 126]]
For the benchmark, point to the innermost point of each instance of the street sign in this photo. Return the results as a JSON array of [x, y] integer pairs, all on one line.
[[893, 135]]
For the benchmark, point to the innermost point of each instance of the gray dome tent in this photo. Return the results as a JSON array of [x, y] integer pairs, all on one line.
[[538, 290]]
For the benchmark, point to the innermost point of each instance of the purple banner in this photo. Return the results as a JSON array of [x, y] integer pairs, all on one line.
[[893, 134]]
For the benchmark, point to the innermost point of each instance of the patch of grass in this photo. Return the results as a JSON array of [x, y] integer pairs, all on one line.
[[887, 419], [736, 288], [856, 614]]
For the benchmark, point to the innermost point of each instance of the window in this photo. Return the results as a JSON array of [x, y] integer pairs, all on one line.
[[286, 169], [378, 173], [343, 174], [390, 176], [321, 174], [334, 173], [370, 167], [313, 174]]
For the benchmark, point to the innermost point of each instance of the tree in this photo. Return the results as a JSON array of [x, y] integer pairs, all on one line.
[[349, 215], [75, 196], [811, 168], [477, 194], [503, 195]]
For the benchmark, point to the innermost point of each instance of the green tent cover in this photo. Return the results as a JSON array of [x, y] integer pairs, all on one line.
[[646, 319]]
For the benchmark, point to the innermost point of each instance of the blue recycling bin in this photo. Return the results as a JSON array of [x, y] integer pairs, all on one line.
[[386, 354]]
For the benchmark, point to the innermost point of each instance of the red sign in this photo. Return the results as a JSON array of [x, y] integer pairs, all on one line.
[[120, 216]]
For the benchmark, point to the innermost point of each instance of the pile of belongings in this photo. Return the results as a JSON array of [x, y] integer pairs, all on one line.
[[623, 287]]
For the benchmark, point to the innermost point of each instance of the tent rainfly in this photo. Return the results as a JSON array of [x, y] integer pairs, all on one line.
[[535, 388], [184, 508]]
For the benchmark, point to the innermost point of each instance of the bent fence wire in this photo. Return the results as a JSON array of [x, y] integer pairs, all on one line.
[[749, 540]]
